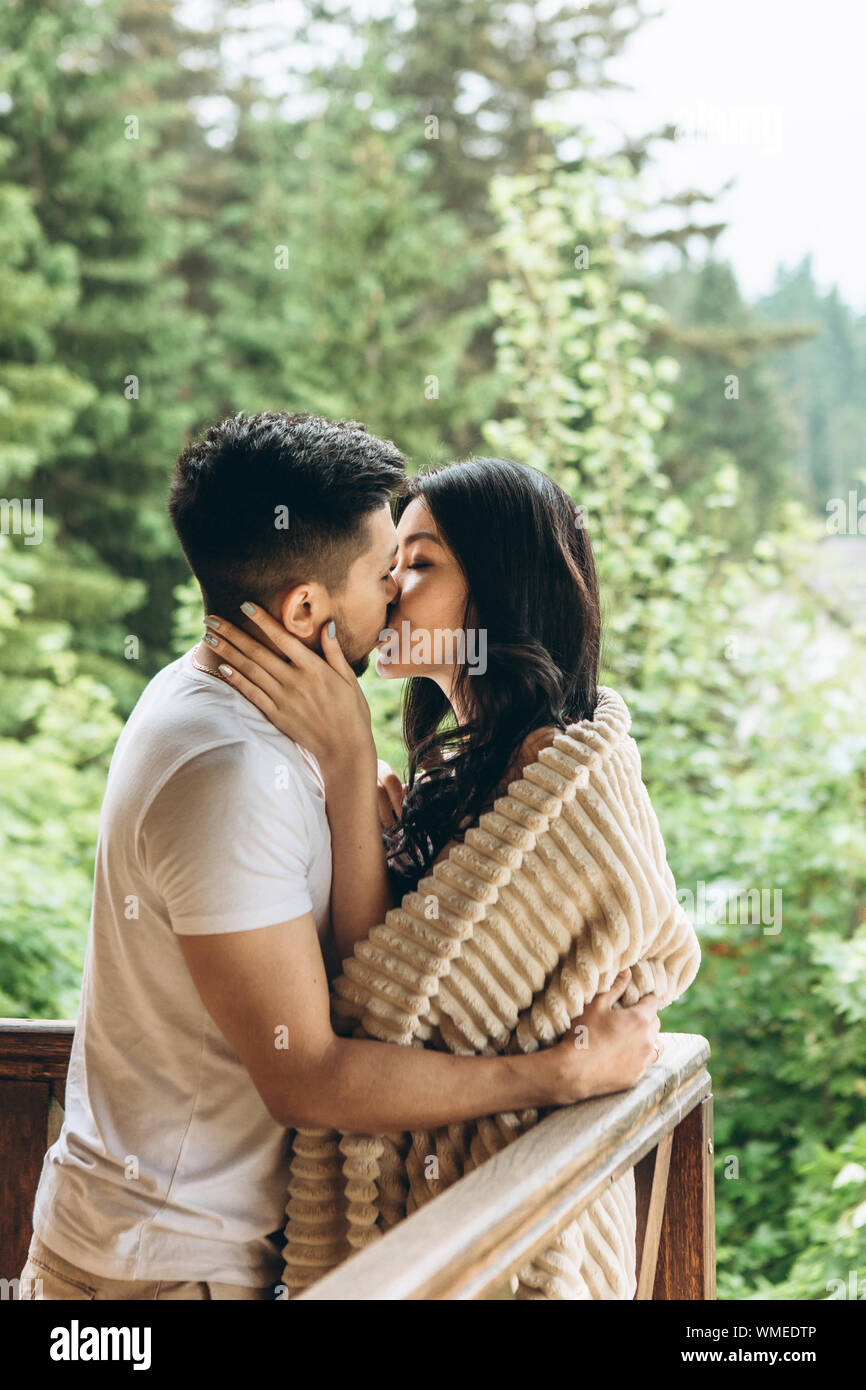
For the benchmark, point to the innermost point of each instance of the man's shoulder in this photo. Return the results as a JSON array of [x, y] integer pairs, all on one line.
[[234, 790], [192, 731], [184, 712]]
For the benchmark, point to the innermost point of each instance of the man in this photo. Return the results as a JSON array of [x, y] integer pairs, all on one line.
[[204, 1030]]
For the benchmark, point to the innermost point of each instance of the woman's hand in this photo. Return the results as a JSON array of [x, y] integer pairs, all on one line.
[[315, 700], [613, 1053], [391, 792]]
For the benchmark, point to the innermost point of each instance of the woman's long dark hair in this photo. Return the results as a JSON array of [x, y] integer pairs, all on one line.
[[532, 588]]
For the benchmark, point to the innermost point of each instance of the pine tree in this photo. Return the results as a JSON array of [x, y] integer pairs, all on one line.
[[57, 724], [100, 162], [53, 591], [485, 88], [729, 421], [824, 384], [335, 274]]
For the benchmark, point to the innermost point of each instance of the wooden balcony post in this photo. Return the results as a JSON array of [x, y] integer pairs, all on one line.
[[686, 1266], [650, 1187], [34, 1056], [22, 1148]]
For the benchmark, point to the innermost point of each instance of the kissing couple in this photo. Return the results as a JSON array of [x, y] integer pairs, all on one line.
[[250, 836]]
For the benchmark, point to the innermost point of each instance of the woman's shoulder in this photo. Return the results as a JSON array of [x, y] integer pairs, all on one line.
[[525, 754], [528, 751]]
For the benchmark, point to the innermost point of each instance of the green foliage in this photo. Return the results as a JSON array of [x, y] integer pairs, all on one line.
[[826, 1223], [822, 383], [57, 730], [101, 225], [355, 270], [156, 258], [757, 774], [727, 418], [187, 626], [385, 700]]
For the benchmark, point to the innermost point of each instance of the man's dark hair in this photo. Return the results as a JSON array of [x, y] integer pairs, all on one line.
[[261, 502]]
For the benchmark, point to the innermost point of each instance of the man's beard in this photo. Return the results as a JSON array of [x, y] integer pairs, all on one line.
[[358, 664]]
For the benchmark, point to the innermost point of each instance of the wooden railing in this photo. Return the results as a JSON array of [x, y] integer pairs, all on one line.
[[34, 1056], [470, 1241]]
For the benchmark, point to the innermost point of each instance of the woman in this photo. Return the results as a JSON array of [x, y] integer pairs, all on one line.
[[497, 628], [508, 565]]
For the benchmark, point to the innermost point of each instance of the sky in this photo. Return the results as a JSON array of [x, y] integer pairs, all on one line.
[[773, 94]]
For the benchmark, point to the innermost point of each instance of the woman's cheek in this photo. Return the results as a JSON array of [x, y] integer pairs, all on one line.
[[413, 605], [427, 603]]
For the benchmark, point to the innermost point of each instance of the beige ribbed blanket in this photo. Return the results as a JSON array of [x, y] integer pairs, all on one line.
[[556, 889]]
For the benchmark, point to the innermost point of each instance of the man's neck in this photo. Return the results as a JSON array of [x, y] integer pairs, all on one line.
[[205, 657]]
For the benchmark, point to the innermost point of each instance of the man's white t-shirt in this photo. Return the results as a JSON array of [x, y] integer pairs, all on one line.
[[169, 1165]]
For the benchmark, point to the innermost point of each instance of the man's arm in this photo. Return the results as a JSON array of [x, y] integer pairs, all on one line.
[[225, 850], [267, 992]]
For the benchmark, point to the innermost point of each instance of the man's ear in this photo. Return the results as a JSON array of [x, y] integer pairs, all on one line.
[[304, 609]]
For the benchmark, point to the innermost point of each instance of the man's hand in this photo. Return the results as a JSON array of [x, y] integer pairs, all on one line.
[[606, 1049], [315, 700]]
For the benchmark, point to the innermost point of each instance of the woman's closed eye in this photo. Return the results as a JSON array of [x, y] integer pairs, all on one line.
[[419, 565]]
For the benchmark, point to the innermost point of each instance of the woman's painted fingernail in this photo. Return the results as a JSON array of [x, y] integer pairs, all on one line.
[[332, 628], [210, 639], [225, 670], [249, 609], [212, 622]]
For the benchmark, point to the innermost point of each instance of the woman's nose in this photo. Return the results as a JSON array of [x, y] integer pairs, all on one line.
[[395, 589]]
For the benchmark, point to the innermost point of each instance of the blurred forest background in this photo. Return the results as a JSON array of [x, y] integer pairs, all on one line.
[[403, 237]]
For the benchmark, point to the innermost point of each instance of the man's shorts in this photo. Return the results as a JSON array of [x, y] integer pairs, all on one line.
[[48, 1276]]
